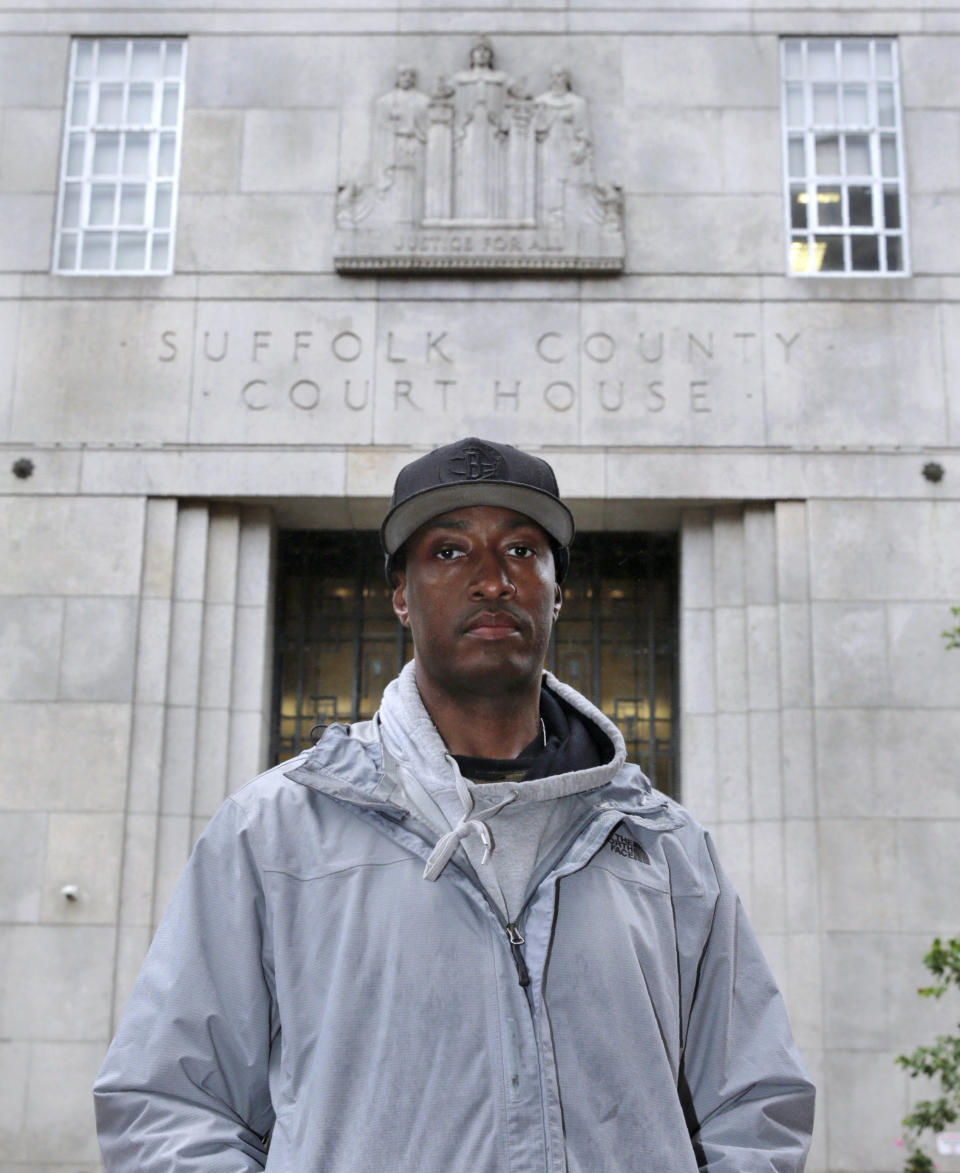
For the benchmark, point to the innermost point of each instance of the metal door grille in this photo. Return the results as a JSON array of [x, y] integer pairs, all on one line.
[[338, 642]]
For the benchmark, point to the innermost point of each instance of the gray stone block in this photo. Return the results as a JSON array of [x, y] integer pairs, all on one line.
[[896, 550], [922, 675], [672, 150], [850, 664], [29, 150], [183, 680], [801, 875], [213, 744], [768, 906], [46, 747], [124, 379], [264, 71], [146, 756], [760, 554], [865, 1094], [750, 145], [715, 72], [763, 656], [86, 546], [71, 1003], [83, 850], [858, 875], [59, 1112], [729, 558], [731, 659], [211, 151], [733, 765], [289, 151], [796, 736], [99, 641], [885, 383], [793, 580], [933, 163], [190, 566], [153, 650], [33, 70], [697, 663], [699, 757], [159, 547], [250, 688], [766, 790], [221, 583], [30, 633], [667, 234], [927, 875], [803, 993], [796, 685], [926, 71], [14, 1063], [179, 759], [696, 557], [22, 843], [28, 249], [255, 233], [255, 557], [220, 644]]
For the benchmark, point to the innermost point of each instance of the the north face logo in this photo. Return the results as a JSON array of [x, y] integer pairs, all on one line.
[[625, 846], [476, 462]]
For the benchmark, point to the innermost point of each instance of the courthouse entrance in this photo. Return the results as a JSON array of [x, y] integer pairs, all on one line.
[[338, 642]]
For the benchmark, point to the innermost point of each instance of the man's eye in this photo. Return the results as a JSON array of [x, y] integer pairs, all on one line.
[[448, 553], [519, 550]]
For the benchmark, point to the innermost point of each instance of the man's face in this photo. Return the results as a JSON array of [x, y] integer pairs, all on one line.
[[480, 595]]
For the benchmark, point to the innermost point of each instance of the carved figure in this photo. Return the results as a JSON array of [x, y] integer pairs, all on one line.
[[480, 133], [565, 147], [400, 136]]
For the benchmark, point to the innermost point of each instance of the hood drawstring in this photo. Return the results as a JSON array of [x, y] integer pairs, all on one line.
[[470, 823]]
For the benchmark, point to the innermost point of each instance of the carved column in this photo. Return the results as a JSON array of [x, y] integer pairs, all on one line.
[[438, 194], [521, 165]]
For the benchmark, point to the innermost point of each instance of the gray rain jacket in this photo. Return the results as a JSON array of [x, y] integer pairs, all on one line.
[[311, 1004]]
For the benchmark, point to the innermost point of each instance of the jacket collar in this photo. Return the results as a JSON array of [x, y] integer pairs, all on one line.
[[364, 764]]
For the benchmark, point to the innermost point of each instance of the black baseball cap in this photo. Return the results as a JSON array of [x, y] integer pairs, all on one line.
[[477, 472]]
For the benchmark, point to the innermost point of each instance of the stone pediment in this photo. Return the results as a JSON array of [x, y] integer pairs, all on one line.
[[480, 175]]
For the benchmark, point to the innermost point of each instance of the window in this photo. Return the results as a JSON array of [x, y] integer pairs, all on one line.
[[843, 157], [121, 157], [338, 642]]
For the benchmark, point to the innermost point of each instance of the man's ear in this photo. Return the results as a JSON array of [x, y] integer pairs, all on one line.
[[557, 600], [400, 597]]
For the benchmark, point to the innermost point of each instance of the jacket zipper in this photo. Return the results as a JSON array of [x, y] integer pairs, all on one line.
[[516, 940]]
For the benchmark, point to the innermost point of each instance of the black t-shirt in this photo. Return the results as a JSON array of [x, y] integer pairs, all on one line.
[[565, 742]]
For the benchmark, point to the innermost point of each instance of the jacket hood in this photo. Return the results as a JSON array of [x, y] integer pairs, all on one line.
[[365, 763]]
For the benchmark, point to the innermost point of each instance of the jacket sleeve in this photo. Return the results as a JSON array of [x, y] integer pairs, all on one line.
[[748, 1098], [184, 1085]]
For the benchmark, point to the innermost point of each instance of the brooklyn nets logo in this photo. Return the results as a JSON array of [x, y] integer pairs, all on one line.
[[478, 462]]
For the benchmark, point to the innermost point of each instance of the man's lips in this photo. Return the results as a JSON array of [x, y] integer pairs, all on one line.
[[492, 625]]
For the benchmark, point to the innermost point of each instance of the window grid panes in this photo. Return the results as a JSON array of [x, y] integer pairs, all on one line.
[[121, 157], [843, 157], [338, 643]]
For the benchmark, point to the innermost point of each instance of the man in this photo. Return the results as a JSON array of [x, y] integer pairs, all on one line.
[[466, 936]]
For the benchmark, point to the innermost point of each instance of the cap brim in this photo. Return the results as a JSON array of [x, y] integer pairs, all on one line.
[[549, 513]]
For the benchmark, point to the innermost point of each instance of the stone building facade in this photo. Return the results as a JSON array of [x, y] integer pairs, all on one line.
[[719, 291]]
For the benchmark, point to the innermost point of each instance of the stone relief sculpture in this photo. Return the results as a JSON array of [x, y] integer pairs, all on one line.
[[480, 174]]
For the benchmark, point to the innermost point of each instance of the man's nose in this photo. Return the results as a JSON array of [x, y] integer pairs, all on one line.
[[492, 579]]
